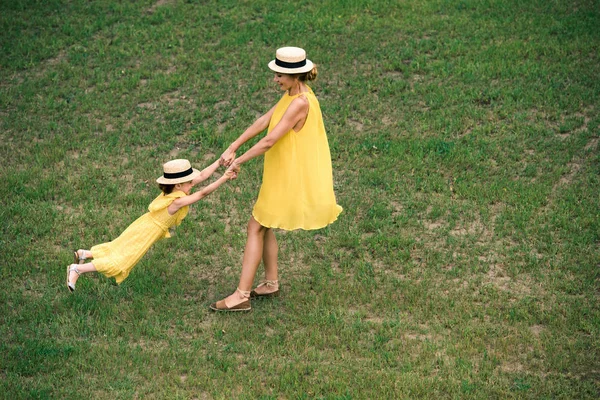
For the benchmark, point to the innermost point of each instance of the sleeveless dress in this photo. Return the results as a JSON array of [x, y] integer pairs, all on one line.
[[117, 258], [297, 185]]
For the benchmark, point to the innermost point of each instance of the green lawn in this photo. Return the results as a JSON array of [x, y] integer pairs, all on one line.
[[464, 137]]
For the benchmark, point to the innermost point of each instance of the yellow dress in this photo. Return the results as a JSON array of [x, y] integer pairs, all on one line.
[[297, 186], [117, 258]]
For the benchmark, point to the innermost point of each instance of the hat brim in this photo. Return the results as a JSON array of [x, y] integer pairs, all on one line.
[[291, 71], [195, 173]]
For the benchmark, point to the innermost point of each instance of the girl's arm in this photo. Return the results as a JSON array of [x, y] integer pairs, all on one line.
[[257, 127], [295, 112], [205, 191], [206, 172]]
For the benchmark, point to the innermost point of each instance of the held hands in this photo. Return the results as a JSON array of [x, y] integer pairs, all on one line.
[[232, 171], [227, 157]]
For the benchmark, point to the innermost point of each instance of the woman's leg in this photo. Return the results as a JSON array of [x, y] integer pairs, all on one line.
[[270, 255], [253, 253]]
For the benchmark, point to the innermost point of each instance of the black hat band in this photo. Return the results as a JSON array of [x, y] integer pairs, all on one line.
[[176, 175], [285, 64]]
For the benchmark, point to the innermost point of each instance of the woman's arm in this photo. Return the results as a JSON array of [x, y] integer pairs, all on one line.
[[206, 172], [294, 113], [257, 127], [205, 191]]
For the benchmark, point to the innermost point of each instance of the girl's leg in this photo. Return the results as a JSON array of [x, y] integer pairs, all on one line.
[[82, 268], [270, 253], [82, 254]]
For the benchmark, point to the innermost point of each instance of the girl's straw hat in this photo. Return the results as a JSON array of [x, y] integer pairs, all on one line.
[[177, 171], [291, 60]]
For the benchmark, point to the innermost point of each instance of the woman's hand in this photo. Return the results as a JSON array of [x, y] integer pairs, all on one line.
[[227, 157]]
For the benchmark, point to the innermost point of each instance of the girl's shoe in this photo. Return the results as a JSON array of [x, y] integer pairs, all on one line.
[[70, 268], [77, 258]]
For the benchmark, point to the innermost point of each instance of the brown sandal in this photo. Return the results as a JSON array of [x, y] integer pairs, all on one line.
[[267, 283], [243, 306]]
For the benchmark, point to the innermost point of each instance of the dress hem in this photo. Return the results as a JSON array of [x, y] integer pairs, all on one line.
[[282, 226]]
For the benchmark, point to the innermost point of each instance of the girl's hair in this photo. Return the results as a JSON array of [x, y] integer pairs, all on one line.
[[166, 189], [308, 76]]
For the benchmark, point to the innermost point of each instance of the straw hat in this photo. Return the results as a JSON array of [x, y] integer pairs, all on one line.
[[291, 60], [177, 171]]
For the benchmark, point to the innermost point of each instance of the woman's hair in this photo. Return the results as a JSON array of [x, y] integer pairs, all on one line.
[[166, 189], [308, 76]]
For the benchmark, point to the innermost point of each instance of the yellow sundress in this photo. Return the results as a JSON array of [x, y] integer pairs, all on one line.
[[297, 185], [117, 258]]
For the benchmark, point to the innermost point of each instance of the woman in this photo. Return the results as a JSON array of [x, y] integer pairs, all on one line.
[[297, 187]]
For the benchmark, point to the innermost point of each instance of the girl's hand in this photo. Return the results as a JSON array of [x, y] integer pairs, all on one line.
[[230, 174], [227, 157], [232, 171]]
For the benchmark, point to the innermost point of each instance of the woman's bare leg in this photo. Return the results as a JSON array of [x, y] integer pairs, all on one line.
[[253, 253], [270, 255]]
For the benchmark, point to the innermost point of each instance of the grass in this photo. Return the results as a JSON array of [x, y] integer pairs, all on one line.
[[464, 137]]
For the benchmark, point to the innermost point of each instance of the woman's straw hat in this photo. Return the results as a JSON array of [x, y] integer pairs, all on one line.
[[177, 171], [291, 60]]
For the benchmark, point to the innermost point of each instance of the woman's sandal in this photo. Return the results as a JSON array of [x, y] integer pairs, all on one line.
[[243, 306], [79, 260], [269, 284], [70, 285]]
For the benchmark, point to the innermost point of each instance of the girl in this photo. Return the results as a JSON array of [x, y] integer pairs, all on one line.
[[117, 258]]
